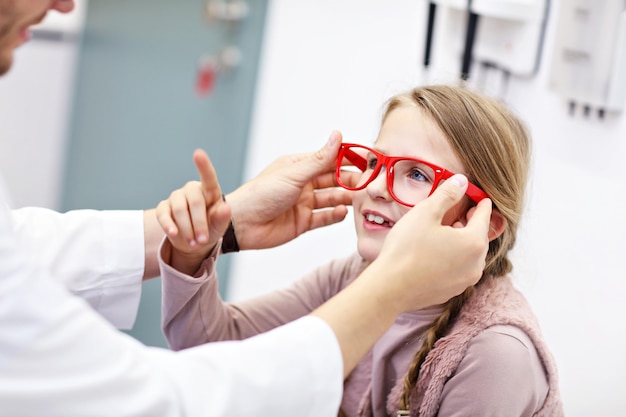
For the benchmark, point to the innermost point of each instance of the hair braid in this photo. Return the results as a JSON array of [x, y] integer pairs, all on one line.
[[437, 329]]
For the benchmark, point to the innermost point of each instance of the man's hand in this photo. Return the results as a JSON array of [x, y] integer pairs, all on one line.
[[293, 195], [422, 263], [438, 261]]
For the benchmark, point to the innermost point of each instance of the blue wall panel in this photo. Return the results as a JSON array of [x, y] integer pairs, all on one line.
[[137, 118]]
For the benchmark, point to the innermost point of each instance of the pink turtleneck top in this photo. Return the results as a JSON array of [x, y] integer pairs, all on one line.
[[500, 375]]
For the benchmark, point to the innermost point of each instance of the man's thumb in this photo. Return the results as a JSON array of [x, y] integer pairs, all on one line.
[[327, 155], [449, 193]]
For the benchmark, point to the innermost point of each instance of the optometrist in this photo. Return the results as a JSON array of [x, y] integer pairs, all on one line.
[[63, 275]]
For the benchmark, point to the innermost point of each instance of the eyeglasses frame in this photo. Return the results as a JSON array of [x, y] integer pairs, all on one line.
[[441, 174]]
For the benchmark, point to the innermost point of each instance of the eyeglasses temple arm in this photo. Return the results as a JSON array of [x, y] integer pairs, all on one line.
[[355, 158], [475, 193]]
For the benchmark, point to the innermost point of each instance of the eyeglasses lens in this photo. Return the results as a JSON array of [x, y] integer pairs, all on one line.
[[412, 180]]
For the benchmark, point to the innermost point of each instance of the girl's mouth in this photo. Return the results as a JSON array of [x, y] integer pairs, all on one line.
[[372, 218]]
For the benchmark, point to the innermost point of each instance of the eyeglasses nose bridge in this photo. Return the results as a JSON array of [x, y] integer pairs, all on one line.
[[387, 163], [381, 173]]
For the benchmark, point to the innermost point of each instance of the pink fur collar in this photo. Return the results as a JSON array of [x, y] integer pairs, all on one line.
[[495, 301]]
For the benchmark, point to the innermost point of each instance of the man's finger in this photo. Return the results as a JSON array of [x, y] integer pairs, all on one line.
[[332, 198], [320, 161], [325, 180], [327, 155], [481, 218], [447, 195], [327, 217], [208, 177]]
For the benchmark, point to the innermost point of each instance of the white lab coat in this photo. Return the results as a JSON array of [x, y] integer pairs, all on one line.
[[97, 255], [58, 357]]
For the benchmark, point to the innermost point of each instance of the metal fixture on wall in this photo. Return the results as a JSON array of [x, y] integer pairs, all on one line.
[[480, 37], [216, 64], [212, 66], [226, 11], [589, 61]]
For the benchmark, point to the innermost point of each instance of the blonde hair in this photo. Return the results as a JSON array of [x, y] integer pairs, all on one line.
[[494, 147]]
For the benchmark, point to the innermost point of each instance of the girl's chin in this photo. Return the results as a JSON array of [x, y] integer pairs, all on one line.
[[368, 252]]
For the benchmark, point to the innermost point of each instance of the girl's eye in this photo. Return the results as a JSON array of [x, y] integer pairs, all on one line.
[[372, 162], [417, 175], [416, 171]]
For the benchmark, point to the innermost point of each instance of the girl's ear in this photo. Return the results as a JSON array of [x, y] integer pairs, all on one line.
[[497, 224]]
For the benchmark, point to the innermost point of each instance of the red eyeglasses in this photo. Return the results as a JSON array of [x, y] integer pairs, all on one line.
[[409, 180]]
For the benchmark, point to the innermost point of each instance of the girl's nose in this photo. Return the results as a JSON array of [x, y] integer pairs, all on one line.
[[377, 188]]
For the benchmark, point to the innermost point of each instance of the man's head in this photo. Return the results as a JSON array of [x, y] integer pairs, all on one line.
[[16, 17]]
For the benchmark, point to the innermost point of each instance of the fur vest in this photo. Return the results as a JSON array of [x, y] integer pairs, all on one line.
[[494, 301]]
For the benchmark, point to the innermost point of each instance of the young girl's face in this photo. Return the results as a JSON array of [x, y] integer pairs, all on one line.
[[405, 132]]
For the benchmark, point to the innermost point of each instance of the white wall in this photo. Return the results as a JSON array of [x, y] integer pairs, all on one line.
[[34, 108], [330, 65], [35, 98]]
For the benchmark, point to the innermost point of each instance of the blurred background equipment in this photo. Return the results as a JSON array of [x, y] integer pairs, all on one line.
[[484, 42], [589, 60]]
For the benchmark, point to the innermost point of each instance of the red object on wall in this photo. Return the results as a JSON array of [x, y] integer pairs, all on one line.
[[206, 77]]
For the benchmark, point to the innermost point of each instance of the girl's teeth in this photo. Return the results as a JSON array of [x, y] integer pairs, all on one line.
[[378, 220], [375, 219]]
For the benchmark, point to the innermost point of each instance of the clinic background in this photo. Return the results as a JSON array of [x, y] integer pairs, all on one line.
[[308, 67]]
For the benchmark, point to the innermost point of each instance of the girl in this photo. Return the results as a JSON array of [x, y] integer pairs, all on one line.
[[479, 354]]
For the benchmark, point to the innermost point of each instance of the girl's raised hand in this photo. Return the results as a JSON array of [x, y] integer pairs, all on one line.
[[194, 218]]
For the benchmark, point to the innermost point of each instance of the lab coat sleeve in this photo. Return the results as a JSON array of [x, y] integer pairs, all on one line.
[[97, 255], [59, 358]]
